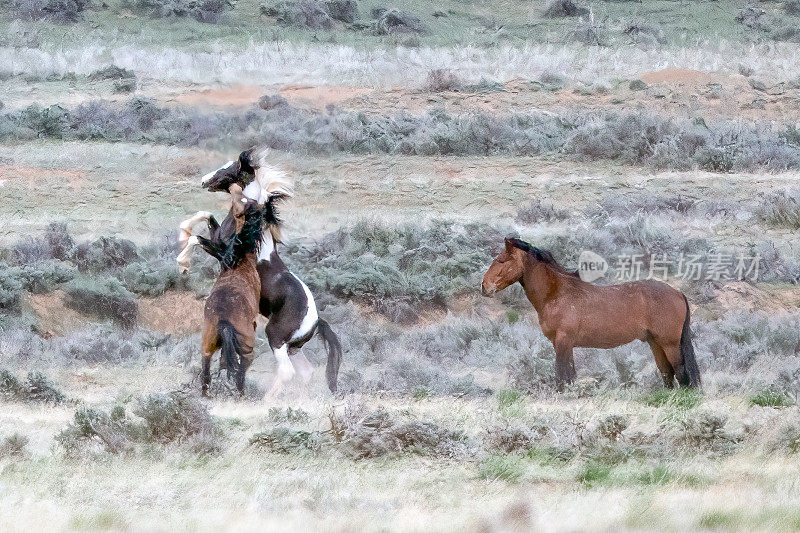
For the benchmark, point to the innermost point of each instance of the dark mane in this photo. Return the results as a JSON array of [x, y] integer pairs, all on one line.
[[543, 256], [232, 253]]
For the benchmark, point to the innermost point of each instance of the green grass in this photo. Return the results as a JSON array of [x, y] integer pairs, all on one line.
[[771, 397], [505, 467], [681, 399], [595, 473]]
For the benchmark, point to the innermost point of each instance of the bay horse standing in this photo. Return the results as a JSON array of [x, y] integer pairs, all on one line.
[[285, 300], [232, 306], [574, 313]]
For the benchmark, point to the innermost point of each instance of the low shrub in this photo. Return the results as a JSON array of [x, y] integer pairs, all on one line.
[[201, 10], [11, 289], [363, 434], [780, 209], [111, 72], [589, 32], [509, 439], [35, 388], [102, 297], [14, 445], [151, 278], [103, 254], [114, 431], [645, 33], [612, 426], [55, 10], [43, 277], [98, 343], [563, 8], [173, 417], [286, 440], [536, 212], [306, 14], [394, 21], [442, 79]]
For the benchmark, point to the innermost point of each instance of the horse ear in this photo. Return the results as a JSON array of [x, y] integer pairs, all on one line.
[[246, 161], [509, 245]]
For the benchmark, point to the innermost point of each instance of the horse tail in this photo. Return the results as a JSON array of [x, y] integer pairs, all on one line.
[[691, 371], [230, 346], [334, 349]]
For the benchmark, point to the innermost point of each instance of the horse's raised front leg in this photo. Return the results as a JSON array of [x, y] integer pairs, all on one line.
[[565, 362], [284, 373], [186, 226], [185, 257], [187, 240]]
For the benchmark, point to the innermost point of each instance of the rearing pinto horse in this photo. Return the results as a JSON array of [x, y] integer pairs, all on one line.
[[573, 313], [284, 299]]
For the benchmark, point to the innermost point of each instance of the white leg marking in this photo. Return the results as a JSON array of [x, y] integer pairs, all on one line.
[[303, 366], [284, 373], [185, 257], [186, 226], [310, 320]]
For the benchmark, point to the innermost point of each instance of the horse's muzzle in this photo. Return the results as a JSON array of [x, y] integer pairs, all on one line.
[[488, 291]]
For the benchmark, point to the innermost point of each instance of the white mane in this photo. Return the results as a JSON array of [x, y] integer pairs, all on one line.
[[269, 180]]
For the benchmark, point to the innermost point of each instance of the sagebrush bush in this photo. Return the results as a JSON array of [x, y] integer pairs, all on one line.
[[630, 138], [363, 434], [98, 343], [35, 388], [103, 254], [43, 277], [200, 10], [410, 263], [442, 79], [14, 445], [306, 14], [55, 10], [151, 278], [563, 8], [780, 208], [394, 21], [286, 440], [536, 212], [11, 289], [102, 297], [173, 417]]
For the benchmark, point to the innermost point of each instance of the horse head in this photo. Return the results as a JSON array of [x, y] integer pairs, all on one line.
[[240, 172], [505, 270]]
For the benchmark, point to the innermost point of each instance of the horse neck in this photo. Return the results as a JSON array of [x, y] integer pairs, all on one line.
[[541, 284]]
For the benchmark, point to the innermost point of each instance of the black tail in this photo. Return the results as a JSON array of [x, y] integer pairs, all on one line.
[[230, 346], [691, 374], [334, 349]]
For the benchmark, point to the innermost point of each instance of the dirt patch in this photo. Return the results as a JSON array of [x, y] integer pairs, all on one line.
[[173, 312], [53, 317], [678, 76], [75, 177], [308, 97], [237, 95]]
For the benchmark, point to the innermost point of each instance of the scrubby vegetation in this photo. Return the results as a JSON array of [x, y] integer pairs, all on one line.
[[35, 388], [628, 138]]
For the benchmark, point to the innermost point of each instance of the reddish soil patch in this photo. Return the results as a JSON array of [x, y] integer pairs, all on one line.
[[75, 177], [319, 97], [678, 76], [173, 312], [54, 318], [237, 95]]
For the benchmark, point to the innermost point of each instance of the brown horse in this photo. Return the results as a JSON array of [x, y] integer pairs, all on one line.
[[573, 313], [232, 306]]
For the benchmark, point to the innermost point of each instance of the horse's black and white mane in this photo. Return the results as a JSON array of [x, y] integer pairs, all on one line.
[[543, 256]]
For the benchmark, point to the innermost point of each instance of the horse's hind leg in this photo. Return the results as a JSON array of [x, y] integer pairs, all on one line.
[[303, 366], [245, 360], [209, 345], [664, 367], [673, 352], [284, 373]]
